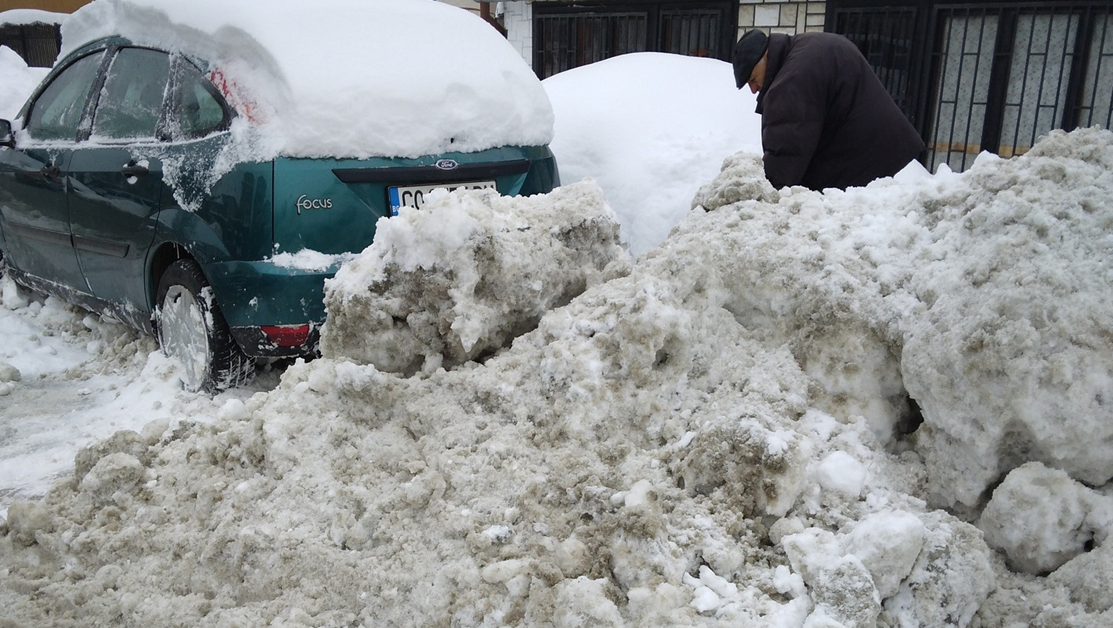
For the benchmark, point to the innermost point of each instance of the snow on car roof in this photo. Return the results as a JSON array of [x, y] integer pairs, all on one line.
[[345, 78]]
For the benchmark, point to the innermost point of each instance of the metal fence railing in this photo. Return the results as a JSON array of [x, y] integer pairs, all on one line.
[[1095, 100], [696, 33]]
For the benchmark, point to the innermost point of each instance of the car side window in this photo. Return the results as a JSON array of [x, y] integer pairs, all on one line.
[[131, 101], [57, 113], [199, 111]]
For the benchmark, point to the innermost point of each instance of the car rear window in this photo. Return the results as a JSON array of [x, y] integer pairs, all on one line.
[[199, 112]]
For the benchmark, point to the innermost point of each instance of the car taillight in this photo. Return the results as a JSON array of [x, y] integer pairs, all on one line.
[[286, 335]]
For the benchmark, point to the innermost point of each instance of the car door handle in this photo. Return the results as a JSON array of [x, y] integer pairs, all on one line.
[[134, 170], [50, 172]]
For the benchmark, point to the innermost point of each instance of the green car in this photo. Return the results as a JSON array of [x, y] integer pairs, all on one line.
[[120, 192]]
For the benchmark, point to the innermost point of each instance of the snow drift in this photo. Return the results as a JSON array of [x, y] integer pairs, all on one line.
[[627, 123], [758, 423]]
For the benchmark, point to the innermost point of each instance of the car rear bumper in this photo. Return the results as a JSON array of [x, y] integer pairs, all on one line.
[[270, 307], [257, 342]]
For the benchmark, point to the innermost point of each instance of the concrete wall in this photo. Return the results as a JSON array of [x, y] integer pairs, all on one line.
[[55, 6]]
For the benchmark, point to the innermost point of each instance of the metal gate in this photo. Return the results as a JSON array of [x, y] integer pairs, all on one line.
[[566, 36], [988, 76]]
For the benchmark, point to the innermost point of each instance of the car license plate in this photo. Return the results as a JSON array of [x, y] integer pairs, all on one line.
[[413, 196]]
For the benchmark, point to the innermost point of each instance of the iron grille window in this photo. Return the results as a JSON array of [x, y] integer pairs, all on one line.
[[1096, 98], [965, 61], [1007, 75], [692, 33], [570, 35], [1039, 75], [987, 76]]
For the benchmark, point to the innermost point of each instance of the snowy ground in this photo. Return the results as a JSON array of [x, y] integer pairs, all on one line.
[[78, 378], [719, 431]]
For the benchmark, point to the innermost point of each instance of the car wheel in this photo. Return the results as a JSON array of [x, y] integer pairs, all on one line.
[[193, 332]]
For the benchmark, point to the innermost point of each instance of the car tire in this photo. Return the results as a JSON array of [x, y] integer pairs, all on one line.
[[192, 332]]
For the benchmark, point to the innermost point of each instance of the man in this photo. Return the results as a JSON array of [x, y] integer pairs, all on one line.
[[826, 119]]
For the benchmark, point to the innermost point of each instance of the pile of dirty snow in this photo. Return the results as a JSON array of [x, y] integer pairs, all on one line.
[[984, 295], [466, 276], [759, 423]]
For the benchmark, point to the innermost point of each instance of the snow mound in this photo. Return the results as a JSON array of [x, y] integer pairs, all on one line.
[[1088, 578], [466, 275], [645, 147], [741, 178], [1041, 518]]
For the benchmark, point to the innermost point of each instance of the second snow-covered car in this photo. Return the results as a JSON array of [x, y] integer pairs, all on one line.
[[199, 169]]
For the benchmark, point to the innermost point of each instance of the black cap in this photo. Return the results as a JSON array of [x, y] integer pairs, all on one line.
[[747, 52]]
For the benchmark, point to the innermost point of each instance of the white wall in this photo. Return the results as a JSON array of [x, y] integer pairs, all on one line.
[[778, 16], [517, 19]]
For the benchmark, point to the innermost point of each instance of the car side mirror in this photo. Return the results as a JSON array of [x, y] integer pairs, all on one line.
[[7, 138]]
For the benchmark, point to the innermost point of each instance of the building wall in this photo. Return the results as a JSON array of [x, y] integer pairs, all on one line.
[[517, 19], [54, 6], [777, 16]]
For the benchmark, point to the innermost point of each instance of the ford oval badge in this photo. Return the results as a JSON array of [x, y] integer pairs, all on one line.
[[446, 164]]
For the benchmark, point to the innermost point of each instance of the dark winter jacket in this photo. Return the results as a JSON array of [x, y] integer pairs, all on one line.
[[826, 119]]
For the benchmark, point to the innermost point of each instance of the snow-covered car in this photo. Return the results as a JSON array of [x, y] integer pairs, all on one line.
[[199, 169]]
